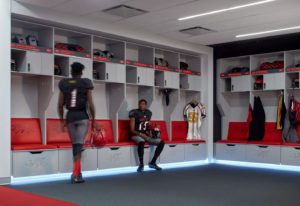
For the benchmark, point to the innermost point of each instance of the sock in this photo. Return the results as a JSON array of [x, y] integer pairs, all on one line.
[[158, 151], [76, 168], [141, 152]]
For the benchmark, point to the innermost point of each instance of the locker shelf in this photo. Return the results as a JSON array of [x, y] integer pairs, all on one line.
[[43, 35], [139, 55], [115, 48], [74, 38]]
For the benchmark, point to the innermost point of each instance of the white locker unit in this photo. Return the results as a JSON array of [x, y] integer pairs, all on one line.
[[114, 157], [173, 153], [65, 160], [263, 154], [30, 163], [290, 155], [33, 62], [240, 84], [194, 82], [167, 79], [140, 75], [274, 81], [195, 152], [110, 72], [230, 151]]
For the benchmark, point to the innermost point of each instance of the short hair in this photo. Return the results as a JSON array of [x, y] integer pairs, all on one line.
[[77, 68], [143, 100]]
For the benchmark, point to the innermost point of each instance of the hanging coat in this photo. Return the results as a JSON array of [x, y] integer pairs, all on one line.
[[289, 133], [257, 126], [281, 112], [249, 120]]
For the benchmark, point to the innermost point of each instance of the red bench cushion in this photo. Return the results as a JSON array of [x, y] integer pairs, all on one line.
[[237, 131], [124, 131], [28, 147], [55, 136], [179, 133], [25, 131]]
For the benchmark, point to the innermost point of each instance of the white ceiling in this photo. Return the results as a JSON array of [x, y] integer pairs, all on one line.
[[163, 14]]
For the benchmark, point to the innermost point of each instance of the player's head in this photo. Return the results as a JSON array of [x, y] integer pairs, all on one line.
[[76, 69], [143, 104]]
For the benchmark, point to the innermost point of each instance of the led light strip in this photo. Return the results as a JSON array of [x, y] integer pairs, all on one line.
[[225, 10], [259, 165], [267, 32], [100, 173]]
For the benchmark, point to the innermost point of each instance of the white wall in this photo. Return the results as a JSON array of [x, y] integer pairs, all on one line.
[[5, 156]]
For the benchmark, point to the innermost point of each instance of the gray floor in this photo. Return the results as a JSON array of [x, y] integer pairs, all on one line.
[[211, 185]]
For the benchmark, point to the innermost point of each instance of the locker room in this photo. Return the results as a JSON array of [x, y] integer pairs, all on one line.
[[148, 102]]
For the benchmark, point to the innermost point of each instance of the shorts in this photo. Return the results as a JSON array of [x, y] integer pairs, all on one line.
[[78, 131], [151, 141]]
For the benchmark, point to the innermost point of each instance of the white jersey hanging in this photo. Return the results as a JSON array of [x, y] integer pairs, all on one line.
[[194, 112]]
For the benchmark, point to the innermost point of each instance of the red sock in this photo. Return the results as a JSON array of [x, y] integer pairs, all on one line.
[[76, 168]]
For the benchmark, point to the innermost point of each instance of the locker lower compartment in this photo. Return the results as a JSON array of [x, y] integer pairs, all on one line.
[[290, 156], [65, 162], [31, 163], [114, 157], [148, 155], [194, 152], [232, 152], [263, 154], [172, 153]]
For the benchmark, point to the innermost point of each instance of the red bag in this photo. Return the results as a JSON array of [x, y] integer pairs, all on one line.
[[97, 138], [296, 109]]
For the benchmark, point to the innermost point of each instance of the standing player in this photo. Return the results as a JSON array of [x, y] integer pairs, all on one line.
[[139, 127], [76, 96]]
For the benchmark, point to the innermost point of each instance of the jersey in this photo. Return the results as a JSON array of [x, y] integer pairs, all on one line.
[[194, 116], [75, 97], [142, 120]]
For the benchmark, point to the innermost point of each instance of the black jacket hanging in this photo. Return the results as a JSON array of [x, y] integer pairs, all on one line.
[[257, 126]]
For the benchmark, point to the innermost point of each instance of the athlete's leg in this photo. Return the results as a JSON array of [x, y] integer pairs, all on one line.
[[78, 131], [160, 144], [140, 150]]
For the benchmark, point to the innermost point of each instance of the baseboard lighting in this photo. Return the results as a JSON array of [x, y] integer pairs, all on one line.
[[259, 165], [225, 10], [99, 173]]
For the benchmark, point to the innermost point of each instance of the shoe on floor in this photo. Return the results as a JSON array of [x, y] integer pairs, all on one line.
[[77, 179], [140, 168], [155, 166]]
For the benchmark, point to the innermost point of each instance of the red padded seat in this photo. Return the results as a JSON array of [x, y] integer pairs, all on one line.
[[61, 139], [26, 134], [272, 135], [179, 133]]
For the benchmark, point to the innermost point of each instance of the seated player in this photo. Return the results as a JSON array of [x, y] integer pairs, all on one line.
[[140, 131]]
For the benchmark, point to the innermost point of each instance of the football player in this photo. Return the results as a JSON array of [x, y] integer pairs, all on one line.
[[140, 130], [76, 96]]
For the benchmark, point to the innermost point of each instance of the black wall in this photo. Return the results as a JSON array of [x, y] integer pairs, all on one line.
[[249, 47]]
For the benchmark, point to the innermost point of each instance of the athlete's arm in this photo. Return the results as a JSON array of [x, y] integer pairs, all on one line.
[[60, 108], [92, 109], [133, 131]]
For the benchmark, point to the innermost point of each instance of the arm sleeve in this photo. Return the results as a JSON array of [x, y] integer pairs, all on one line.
[[61, 85], [89, 84], [132, 114]]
